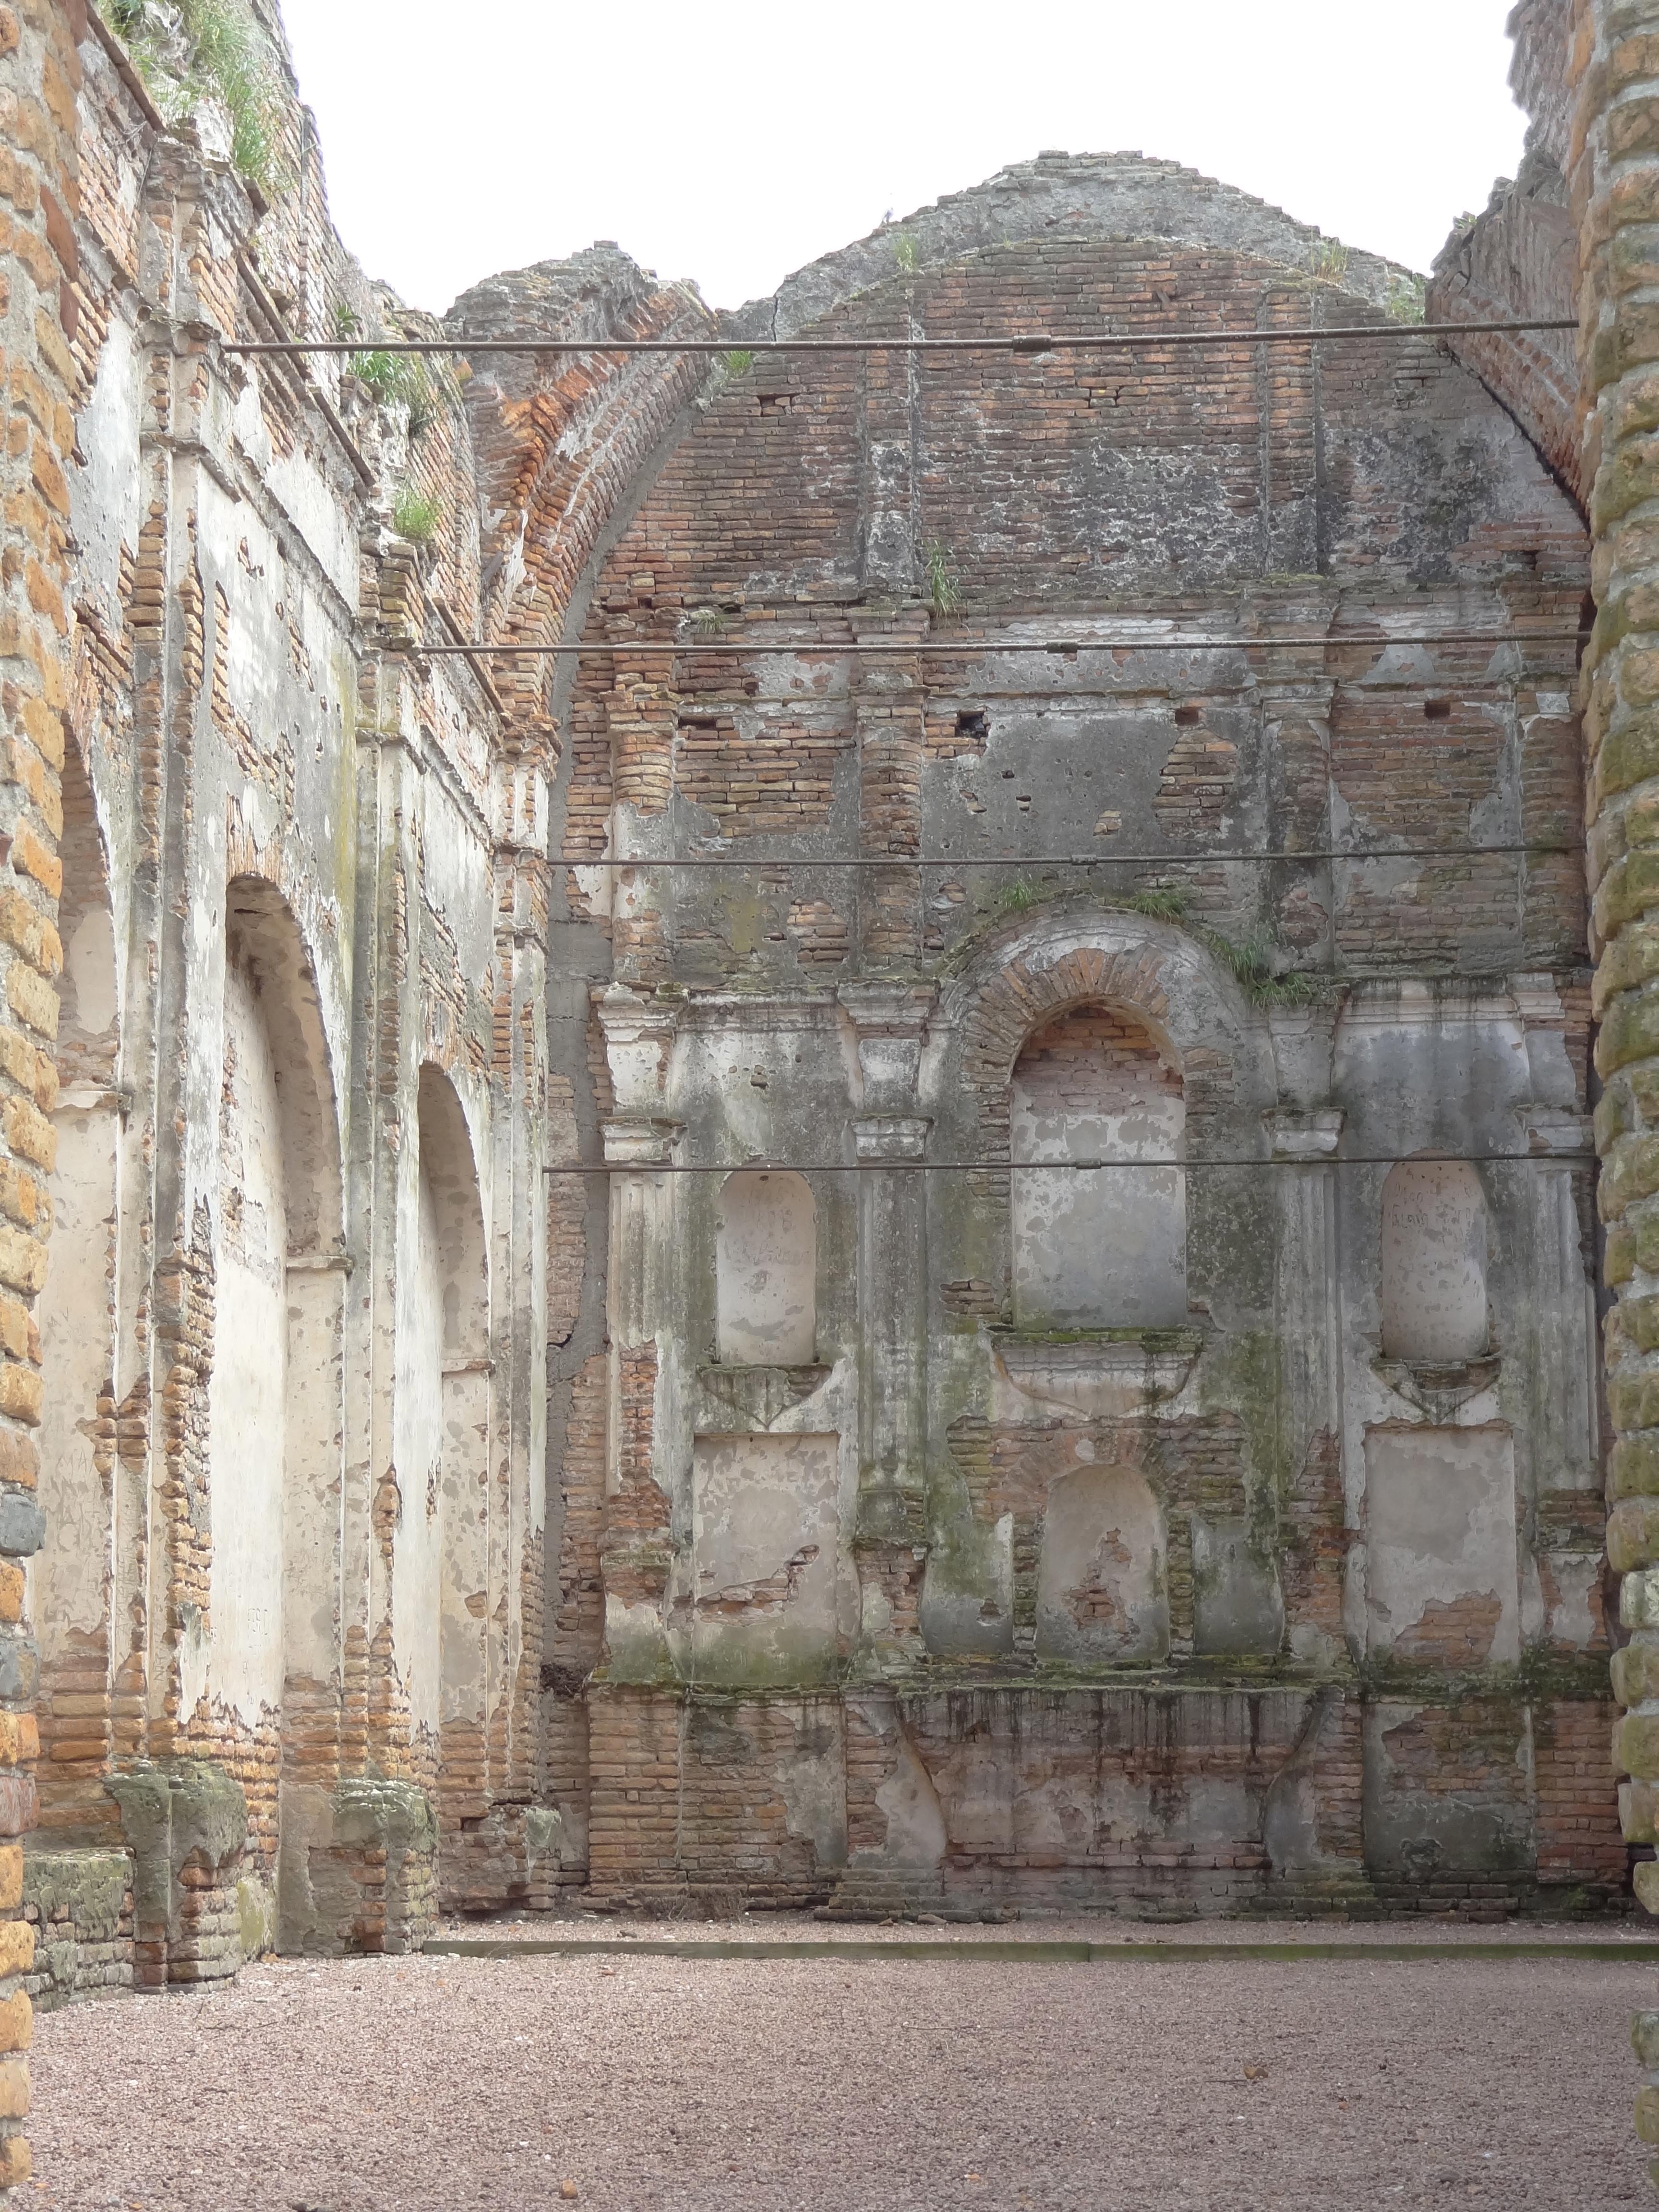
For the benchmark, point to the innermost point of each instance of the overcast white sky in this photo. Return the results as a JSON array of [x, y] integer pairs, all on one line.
[[730, 142]]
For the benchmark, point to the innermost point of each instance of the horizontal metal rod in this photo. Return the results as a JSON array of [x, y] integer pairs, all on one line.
[[1062, 649], [1018, 341], [1041, 859], [1069, 1167]]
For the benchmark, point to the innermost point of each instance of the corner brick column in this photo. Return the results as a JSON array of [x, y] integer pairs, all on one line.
[[1615, 198], [39, 78]]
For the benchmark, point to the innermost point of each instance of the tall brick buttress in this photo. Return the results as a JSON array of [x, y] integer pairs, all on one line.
[[1615, 198], [39, 78]]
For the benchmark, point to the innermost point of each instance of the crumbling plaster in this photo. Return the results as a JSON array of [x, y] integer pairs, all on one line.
[[617, 1549]]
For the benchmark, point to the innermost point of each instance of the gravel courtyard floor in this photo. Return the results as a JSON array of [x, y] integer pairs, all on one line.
[[431, 2084]]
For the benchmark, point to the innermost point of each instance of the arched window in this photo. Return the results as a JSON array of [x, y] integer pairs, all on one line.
[[766, 1270], [1434, 1262], [1101, 1584], [1099, 1247]]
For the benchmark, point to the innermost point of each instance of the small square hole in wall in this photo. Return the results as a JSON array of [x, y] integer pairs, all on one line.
[[1188, 718], [775, 403], [970, 723], [1437, 710]]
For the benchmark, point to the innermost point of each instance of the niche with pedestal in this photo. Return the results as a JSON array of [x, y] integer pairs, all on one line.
[[1434, 1264], [766, 1257], [1102, 1592], [1105, 1247]]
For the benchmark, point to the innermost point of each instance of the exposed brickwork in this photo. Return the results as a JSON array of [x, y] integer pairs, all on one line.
[[40, 265], [687, 1806], [1579, 1840], [1093, 1060], [1613, 178]]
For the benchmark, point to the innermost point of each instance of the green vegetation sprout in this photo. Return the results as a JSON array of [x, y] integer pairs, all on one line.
[[1168, 905], [1407, 299], [400, 380], [942, 587], [217, 48], [1329, 260], [1252, 964], [416, 516]]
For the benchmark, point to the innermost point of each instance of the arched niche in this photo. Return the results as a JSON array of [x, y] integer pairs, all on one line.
[[276, 1402], [88, 1507], [1434, 1263], [1106, 1247], [766, 1258], [1102, 1594], [442, 1572]]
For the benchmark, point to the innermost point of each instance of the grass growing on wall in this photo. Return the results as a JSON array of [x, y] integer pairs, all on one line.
[[398, 380], [415, 517], [200, 47]]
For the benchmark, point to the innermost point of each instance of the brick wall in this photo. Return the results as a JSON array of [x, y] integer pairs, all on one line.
[[1614, 180], [39, 75]]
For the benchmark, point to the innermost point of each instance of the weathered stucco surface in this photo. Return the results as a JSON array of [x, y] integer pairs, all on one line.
[[981, 1380]]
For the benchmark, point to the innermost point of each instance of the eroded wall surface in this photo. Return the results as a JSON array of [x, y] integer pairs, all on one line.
[[1062, 1359], [292, 1450], [1156, 1507]]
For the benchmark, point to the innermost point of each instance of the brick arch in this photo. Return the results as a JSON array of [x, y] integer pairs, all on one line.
[[560, 443], [1030, 992], [1022, 979], [264, 933]]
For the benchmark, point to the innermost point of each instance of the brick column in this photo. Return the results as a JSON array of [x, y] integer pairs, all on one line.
[[39, 77], [1615, 198]]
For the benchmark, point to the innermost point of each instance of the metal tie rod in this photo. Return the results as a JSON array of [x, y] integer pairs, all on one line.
[[1048, 1167], [1043, 859], [1063, 648], [1020, 341]]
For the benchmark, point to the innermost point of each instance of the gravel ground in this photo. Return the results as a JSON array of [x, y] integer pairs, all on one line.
[[904, 2086]]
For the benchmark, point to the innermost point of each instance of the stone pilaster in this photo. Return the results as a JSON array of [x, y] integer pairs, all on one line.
[[636, 1548], [1305, 1131], [889, 1134], [1616, 196]]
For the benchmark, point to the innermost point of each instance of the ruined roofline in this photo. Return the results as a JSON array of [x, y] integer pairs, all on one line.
[[1067, 195], [1080, 194]]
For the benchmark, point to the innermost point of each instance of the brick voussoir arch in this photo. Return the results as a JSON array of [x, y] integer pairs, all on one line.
[[1152, 970]]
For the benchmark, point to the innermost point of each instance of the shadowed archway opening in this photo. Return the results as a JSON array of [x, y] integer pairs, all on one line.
[[444, 1566]]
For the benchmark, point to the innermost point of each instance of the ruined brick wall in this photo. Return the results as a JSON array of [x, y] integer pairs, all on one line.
[[1615, 195], [1519, 257], [268, 781], [40, 79], [919, 1522]]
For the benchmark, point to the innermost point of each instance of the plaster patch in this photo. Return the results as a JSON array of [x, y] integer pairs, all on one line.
[[1440, 1577], [1101, 1590]]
